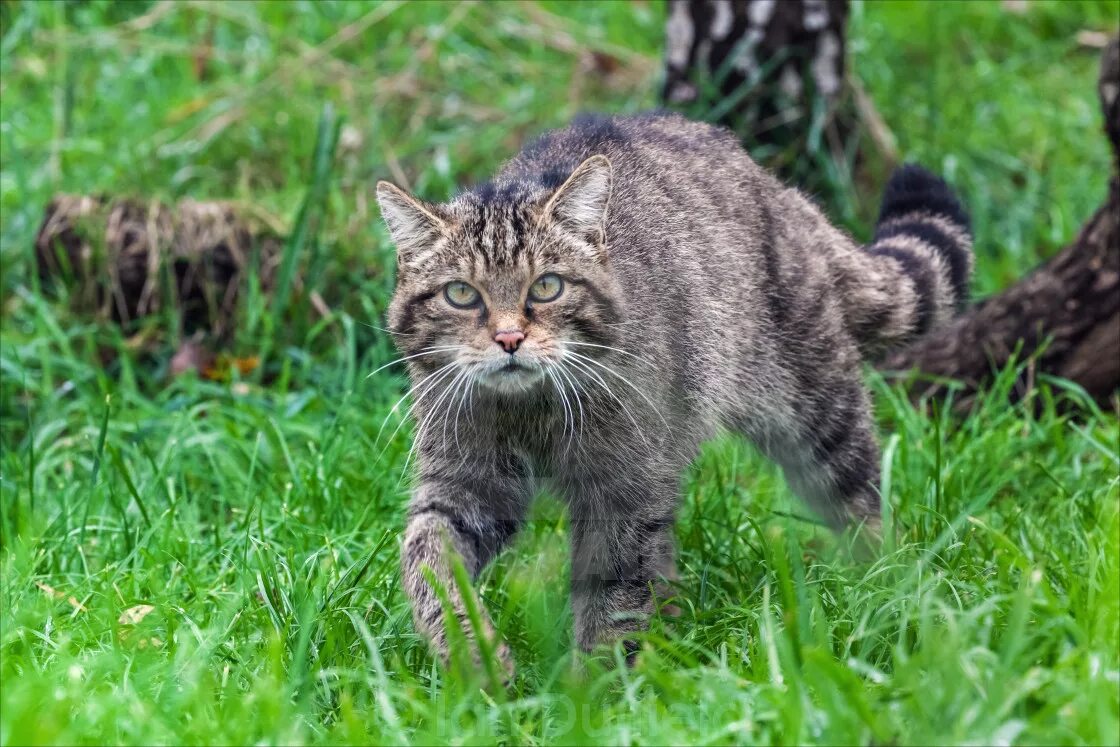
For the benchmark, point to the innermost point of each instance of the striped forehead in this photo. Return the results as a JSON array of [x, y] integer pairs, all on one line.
[[497, 233]]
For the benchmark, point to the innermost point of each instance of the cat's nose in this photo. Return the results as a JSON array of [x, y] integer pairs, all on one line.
[[509, 339]]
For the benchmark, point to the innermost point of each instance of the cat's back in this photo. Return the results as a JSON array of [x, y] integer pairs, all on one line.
[[685, 195], [659, 147]]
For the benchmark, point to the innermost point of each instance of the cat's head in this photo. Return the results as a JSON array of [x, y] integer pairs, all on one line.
[[510, 282]]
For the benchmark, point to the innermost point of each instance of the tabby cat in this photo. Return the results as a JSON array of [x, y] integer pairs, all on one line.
[[624, 289]]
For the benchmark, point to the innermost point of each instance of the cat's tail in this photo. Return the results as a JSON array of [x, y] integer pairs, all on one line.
[[923, 244]]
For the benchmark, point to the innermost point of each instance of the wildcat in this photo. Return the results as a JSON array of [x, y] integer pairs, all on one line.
[[622, 290]]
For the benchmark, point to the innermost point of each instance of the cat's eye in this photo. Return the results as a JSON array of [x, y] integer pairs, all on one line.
[[546, 288], [460, 295]]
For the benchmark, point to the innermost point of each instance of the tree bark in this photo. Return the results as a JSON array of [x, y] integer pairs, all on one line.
[[762, 60], [773, 71], [1064, 318]]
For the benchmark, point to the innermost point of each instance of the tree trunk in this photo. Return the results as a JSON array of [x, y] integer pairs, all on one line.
[[1064, 317], [773, 71]]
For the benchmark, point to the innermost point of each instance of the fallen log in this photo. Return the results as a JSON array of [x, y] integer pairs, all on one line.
[[1063, 318], [127, 259]]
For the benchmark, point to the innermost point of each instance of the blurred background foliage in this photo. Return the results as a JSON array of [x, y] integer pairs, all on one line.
[[222, 101]]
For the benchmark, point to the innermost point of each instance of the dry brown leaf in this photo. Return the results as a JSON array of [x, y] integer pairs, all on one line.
[[134, 615], [1092, 39], [191, 356], [186, 109], [56, 594], [222, 367]]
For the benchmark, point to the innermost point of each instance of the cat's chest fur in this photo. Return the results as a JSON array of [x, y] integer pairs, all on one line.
[[555, 440]]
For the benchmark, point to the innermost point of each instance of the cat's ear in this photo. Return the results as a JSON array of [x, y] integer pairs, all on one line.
[[412, 223], [580, 204]]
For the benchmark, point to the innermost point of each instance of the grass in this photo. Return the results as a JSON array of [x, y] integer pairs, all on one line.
[[192, 561]]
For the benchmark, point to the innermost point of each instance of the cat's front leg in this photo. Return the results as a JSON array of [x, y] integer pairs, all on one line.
[[619, 556], [447, 519]]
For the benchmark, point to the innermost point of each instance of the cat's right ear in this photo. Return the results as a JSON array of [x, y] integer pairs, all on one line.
[[580, 204], [412, 223]]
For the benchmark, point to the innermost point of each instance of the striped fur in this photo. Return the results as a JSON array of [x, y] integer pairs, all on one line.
[[699, 294], [924, 233]]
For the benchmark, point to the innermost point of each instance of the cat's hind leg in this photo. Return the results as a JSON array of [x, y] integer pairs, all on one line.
[[829, 453]]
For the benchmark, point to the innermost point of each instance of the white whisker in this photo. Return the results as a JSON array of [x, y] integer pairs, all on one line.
[[606, 387], [625, 380], [459, 386], [608, 347], [569, 416], [421, 430], [441, 373], [468, 394], [563, 371], [425, 351]]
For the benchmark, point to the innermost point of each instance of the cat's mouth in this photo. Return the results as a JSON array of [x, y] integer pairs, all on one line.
[[513, 375], [512, 366]]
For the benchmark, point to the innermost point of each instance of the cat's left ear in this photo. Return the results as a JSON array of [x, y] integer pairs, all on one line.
[[413, 224], [579, 206]]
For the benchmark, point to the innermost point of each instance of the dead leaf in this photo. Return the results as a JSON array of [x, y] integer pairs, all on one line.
[[186, 109], [134, 615], [203, 52], [1093, 39], [191, 356], [320, 305], [221, 368], [604, 64], [56, 594]]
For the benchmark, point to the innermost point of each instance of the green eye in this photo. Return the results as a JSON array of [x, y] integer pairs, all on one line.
[[460, 295], [546, 288]]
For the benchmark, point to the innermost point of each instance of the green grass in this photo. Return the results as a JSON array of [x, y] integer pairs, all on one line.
[[261, 521]]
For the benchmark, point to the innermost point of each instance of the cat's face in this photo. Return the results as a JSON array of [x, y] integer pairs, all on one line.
[[509, 289]]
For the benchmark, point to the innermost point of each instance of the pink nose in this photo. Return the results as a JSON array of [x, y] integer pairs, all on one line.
[[509, 339]]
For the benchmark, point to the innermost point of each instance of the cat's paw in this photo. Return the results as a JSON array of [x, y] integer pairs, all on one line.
[[496, 665], [507, 668]]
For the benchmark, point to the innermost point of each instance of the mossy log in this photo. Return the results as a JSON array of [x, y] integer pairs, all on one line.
[[127, 259]]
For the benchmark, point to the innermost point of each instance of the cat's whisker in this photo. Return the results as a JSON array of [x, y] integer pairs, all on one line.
[[569, 416], [435, 411], [453, 388], [562, 371], [417, 435], [468, 394], [608, 347], [475, 378], [460, 392], [442, 373], [425, 351], [422, 429], [386, 331], [606, 387], [626, 381], [412, 389]]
